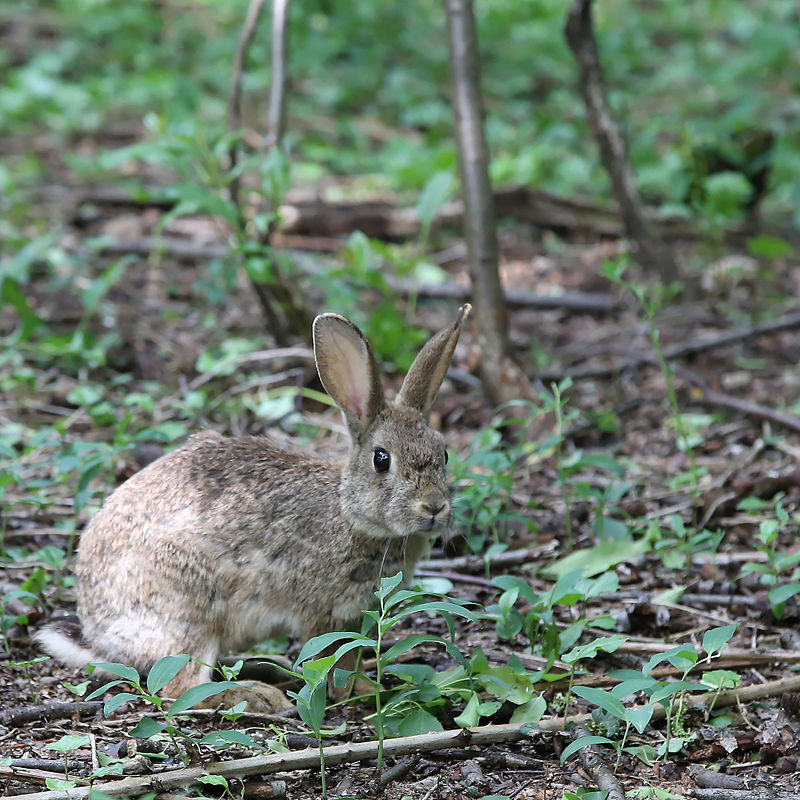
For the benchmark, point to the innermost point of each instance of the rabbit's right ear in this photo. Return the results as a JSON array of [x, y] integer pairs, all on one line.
[[348, 371]]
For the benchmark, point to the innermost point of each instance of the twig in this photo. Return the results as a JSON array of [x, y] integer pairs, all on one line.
[[593, 763], [235, 100], [785, 322], [21, 716], [276, 110], [480, 563], [581, 39], [308, 759], [716, 399], [399, 770]]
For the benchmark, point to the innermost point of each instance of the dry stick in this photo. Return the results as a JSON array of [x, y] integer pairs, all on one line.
[[503, 380], [21, 716], [581, 39], [235, 100], [591, 302], [392, 748], [785, 322], [593, 763], [749, 409]]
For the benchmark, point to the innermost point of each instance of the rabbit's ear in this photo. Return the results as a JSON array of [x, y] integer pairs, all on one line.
[[428, 370], [348, 371]]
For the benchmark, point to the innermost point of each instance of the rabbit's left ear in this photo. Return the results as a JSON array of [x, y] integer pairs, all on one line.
[[348, 371], [426, 374]]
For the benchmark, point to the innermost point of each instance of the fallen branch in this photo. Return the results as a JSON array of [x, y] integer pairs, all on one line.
[[309, 759], [15, 717], [592, 761], [787, 321], [200, 251], [715, 399]]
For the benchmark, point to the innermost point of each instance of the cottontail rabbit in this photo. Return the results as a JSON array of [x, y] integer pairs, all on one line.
[[225, 541]]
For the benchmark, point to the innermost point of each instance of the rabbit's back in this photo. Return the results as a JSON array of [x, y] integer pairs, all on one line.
[[229, 538]]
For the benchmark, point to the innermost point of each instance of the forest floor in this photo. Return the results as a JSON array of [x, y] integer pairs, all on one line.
[[745, 463]]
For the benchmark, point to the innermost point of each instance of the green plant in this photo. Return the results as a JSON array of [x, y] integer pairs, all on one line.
[[166, 720], [766, 541], [610, 711], [394, 605]]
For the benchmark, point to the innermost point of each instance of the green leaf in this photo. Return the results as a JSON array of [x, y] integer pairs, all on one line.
[[435, 194], [780, 594], [769, 247], [675, 687], [532, 711], [120, 670], [506, 684], [66, 744], [59, 785], [597, 559], [470, 716], [227, 738], [579, 744], [418, 721], [164, 670], [606, 644], [640, 716], [682, 656], [317, 644], [191, 697], [146, 728], [116, 701], [715, 639], [214, 780], [404, 645], [100, 691], [388, 585], [601, 698]]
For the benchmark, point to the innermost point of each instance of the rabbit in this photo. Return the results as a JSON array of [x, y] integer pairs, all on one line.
[[224, 542]]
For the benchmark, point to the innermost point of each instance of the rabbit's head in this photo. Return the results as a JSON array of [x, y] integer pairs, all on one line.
[[394, 482]]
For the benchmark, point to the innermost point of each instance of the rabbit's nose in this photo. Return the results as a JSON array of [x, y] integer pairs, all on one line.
[[433, 504]]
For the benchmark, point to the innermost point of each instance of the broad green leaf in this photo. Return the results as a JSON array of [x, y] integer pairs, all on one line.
[[116, 701], [317, 644], [59, 784], [120, 670], [146, 728], [721, 679], [780, 594], [506, 582], [191, 697], [597, 559], [606, 644], [470, 716], [675, 687], [684, 654], [404, 645], [639, 716], [532, 711], [631, 685], [164, 670], [506, 684], [433, 196], [601, 698], [715, 639], [214, 780], [418, 721], [66, 744], [101, 690], [388, 585], [584, 741]]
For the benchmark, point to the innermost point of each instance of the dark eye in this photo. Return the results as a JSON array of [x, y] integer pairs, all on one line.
[[446, 456], [381, 460]]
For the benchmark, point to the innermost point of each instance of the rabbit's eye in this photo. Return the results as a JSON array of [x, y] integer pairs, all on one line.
[[381, 460], [446, 456]]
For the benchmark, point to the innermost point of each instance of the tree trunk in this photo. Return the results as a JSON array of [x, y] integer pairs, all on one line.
[[502, 378], [651, 253]]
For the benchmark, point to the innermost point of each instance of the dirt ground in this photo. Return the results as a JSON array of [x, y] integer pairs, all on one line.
[[739, 454]]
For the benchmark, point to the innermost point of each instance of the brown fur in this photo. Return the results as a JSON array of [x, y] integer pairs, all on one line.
[[226, 541]]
